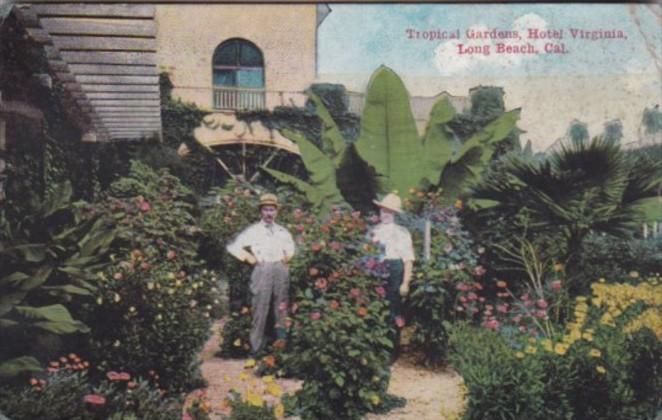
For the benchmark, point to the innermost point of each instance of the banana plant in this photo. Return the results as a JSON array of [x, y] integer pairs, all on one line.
[[47, 258], [390, 144], [322, 189]]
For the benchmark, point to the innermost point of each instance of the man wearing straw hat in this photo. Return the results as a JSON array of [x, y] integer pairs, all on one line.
[[399, 258], [269, 247]]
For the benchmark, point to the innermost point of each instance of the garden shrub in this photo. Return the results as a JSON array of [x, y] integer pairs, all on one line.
[[606, 365], [155, 303], [67, 392], [433, 294]]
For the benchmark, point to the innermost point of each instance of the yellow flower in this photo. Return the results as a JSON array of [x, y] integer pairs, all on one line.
[[117, 298], [274, 389], [237, 342], [601, 370], [279, 411], [243, 376], [253, 399], [458, 204], [595, 353], [602, 280], [268, 379], [560, 349], [558, 267], [374, 399], [519, 355], [547, 344], [249, 363], [634, 274], [587, 336], [530, 350], [99, 301]]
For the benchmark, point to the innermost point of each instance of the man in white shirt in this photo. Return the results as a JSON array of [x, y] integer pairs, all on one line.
[[269, 247], [399, 258]]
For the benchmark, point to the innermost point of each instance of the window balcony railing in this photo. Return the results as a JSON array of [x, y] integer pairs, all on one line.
[[239, 98]]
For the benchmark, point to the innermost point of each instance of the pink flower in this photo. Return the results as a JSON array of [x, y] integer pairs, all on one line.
[[517, 319], [462, 287], [502, 308], [336, 246], [459, 308], [356, 215], [374, 219], [542, 303], [354, 293], [479, 270], [472, 296], [557, 285], [298, 214], [492, 324], [186, 416], [300, 228], [528, 304], [321, 283], [463, 299], [399, 321], [145, 207], [525, 296], [94, 399], [541, 314], [283, 306], [381, 292], [315, 315]]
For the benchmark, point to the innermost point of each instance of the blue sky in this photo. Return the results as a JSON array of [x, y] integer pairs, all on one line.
[[358, 38]]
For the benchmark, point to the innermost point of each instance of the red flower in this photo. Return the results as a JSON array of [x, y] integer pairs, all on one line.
[[380, 291], [123, 376], [315, 315], [479, 270], [94, 399], [316, 247], [270, 361], [462, 287], [131, 385], [362, 311]]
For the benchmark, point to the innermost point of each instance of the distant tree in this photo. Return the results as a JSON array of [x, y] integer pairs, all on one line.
[[613, 131], [577, 131], [652, 120]]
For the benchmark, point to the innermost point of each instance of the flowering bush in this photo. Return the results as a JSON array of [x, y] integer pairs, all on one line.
[[154, 304], [434, 288], [606, 365], [66, 391], [235, 342]]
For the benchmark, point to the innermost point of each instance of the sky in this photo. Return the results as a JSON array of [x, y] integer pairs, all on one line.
[[593, 81]]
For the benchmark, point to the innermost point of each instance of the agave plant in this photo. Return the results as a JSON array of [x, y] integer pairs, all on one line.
[[47, 258]]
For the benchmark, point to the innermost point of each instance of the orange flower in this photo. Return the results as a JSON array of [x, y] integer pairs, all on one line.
[[362, 311], [270, 361]]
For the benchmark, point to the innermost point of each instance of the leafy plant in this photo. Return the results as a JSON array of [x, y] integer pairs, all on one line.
[[48, 261]]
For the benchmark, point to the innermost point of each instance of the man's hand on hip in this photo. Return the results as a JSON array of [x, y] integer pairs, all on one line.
[[250, 259]]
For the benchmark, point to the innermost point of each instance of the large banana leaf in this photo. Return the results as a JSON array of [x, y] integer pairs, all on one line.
[[438, 143], [53, 318], [467, 165], [316, 197], [332, 138], [389, 140]]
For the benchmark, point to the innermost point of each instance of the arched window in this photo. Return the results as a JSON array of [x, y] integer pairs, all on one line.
[[238, 75]]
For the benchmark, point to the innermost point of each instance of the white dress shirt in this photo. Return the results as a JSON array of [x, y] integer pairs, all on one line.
[[268, 243], [396, 240]]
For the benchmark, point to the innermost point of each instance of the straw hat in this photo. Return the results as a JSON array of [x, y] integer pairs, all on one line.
[[268, 200], [391, 202]]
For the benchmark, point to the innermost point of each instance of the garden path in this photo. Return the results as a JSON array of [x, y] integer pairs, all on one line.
[[430, 394]]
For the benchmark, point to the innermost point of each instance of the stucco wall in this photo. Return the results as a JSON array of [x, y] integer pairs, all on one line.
[[188, 34]]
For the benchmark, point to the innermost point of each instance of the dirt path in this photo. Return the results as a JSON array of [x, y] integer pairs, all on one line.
[[430, 394]]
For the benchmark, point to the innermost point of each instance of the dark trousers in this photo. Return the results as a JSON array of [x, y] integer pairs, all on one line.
[[393, 282]]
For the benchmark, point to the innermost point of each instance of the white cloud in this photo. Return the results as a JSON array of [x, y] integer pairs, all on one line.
[[449, 60]]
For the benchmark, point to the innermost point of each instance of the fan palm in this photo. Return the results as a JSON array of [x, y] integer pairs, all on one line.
[[586, 186]]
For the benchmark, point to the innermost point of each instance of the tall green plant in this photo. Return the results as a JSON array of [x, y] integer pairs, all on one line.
[[389, 141], [47, 258], [321, 189]]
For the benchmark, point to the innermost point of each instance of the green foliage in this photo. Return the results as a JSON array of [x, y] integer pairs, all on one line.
[[578, 131], [585, 187], [652, 120], [61, 395], [433, 296], [606, 365], [48, 258], [154, 304], [242, 410], [236, 330], [389, 141]]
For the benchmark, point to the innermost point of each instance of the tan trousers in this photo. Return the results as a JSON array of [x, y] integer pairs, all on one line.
[[269, 279]]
